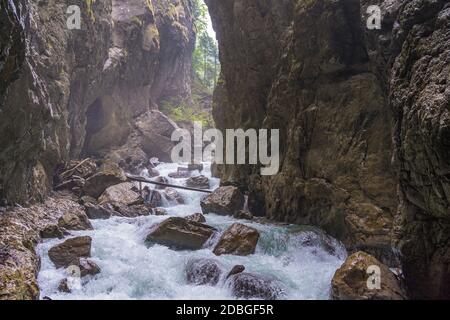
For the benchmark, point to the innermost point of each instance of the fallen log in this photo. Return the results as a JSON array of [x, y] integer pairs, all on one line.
[[141, 179]]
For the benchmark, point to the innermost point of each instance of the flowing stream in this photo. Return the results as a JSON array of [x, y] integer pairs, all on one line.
[[301, 258]]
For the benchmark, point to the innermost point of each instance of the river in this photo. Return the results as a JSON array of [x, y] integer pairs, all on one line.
[[132, 269]]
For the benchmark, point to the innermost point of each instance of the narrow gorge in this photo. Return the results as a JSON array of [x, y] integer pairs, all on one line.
[[92, 206]]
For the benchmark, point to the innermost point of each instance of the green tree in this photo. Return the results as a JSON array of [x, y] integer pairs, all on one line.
[[205, 61]]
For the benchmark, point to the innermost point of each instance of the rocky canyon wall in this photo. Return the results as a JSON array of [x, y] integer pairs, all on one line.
[[70, 93], [363, 118]]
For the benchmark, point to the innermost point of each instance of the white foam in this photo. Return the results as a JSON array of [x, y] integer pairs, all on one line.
[[133, 270]]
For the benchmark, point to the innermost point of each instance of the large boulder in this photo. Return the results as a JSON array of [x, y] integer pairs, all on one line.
[[95, 211], [352, 281], [156, 130], [122, 193], [252, 286], [180, 233], [200, 182], [70, 251], [108, 175], [203, 271], [76, 220], [224, 201], [238, 239], [133, 211]]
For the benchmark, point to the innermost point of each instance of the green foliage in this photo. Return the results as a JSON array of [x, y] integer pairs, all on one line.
[[187, 112], [205, 60]]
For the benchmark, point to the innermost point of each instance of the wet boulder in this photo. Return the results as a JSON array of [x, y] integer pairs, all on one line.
[[95, 211], [173, 195], [235, 270], [243, 214], [75, 220], [197, 217], [88, 267], [356, 280], [156, 130], [123, 193], [238, 239], [109, 174], [152, 172], [159, 212], [132, 211], [203, 271], [70, 251], [64, 286], [251, 286], [199, 182], [180, 233], [223, 201]]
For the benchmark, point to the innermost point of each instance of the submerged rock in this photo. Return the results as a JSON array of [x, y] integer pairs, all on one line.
[[64, 286], [77, 220], [181, 233], [238, 239], [351, 281], [69, 252], [243, 214], [252, 286], [203, 271], [235, 270], [159, 212], [224, 201], [161, 180], [197, 217], [173, 195], [200, 182], [108, 175], [88, 267]]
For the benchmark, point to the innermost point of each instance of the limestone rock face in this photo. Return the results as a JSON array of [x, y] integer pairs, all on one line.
[[350, 282], [238, 239], [363, 118], [420, 98], [69, 93], [181, 233], [223, 201]]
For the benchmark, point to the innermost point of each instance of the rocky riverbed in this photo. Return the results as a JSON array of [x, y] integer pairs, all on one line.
[[268, 261]]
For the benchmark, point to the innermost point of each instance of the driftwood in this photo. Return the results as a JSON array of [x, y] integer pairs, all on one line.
[[70, 171]]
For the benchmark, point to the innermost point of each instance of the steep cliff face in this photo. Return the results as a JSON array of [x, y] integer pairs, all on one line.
[[319, 87], [67, 93], [340, 94], [420, 98]]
